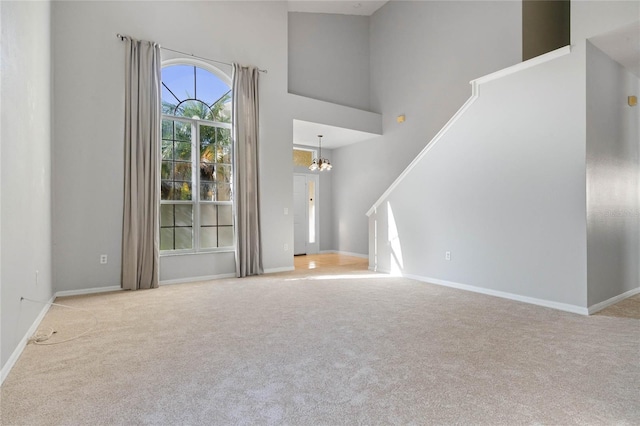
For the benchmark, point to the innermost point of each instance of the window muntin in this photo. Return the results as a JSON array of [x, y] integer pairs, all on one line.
[[176, 175], [196, 208], [192, 92]]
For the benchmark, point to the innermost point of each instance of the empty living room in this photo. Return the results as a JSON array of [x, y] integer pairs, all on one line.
[[320, 212]]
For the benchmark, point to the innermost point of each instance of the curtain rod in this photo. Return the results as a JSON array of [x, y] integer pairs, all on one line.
[[122, 38]]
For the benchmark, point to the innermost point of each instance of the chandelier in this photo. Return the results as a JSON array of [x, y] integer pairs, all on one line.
[[322, 164]]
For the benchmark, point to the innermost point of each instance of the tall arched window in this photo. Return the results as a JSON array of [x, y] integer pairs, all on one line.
[[196, 207]]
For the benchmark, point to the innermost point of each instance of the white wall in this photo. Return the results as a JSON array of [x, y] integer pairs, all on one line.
[[315, 111], [613, 177], [329, 58], [325, 198], [504, 190], [88, 131], [423, 55], [26, 168], [591, 18]]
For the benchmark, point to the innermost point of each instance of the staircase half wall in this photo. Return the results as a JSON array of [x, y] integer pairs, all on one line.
[[495, 203]]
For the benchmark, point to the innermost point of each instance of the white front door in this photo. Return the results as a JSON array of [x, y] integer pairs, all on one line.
[[305, 214]]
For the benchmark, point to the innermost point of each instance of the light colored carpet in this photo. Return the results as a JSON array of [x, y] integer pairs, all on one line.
[[310, 349], [628, 308]]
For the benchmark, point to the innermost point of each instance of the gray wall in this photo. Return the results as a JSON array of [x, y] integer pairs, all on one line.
[[423, 55], [26, 168], [613, 178], [89, 105], [329, 58]]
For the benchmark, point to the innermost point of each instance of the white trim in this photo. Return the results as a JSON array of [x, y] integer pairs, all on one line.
[[283, 269], [503, 294], [185, 60], [523, 65], [6, 368], [380, 271], [310, 248], [474, 95], [66, 293], [346, 253], [615, 299], [195, 279], [171, 253]]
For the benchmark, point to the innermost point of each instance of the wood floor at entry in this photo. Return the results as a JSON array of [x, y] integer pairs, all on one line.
[[330, 260]]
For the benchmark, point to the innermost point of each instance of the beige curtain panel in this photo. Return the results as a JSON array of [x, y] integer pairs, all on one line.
[[140, 232], [247, 199]]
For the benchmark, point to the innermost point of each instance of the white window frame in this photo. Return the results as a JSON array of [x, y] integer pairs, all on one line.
[[195, 201]]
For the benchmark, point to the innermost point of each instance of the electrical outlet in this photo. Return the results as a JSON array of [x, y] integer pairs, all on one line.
[[103, 259], [286, 247], [286, 211], [447, 255], [37, 274]]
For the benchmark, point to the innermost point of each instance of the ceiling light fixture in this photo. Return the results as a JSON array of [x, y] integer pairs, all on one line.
[[322, 164]]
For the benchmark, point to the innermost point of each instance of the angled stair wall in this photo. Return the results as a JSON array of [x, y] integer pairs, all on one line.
[[501, 188]]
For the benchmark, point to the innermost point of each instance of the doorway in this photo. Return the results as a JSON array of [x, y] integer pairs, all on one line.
[[306, 217]]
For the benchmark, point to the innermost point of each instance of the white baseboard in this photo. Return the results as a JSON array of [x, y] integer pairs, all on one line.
[[382, 271], [346, 253], [195, 279], [283, 269], [23, 342], [36, 323], [511, 296], [80, 292], [615, 299]]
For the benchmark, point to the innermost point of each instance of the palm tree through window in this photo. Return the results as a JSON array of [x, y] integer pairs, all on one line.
[[196, 207]]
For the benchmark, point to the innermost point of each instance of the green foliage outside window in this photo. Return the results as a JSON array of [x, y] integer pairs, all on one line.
[[199, 137]]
